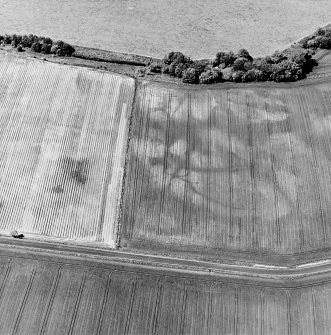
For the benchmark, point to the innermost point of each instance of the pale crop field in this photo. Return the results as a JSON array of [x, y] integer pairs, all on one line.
[[63, 137], [198, 28], [243, 169]]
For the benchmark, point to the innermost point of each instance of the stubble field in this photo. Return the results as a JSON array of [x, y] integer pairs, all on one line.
[[63, 137], [238, 168], [155, 27]]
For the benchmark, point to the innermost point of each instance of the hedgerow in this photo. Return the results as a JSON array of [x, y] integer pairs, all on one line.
[[320, 39], [290, 65]]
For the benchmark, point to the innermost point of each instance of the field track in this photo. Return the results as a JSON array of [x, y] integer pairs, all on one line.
[[242, 169], [63, 138]]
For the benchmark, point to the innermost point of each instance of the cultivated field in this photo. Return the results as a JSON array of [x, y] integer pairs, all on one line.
[[63, 137], [42, 297], [240, 168]]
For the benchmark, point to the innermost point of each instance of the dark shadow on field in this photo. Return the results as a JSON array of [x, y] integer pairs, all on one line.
[[237, 169]]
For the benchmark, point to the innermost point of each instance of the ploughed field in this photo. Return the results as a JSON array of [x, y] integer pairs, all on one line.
[[61, 296], [243, 168], [63, 137]]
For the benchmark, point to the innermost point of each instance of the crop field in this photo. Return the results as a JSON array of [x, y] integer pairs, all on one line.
[[155, 27], [239, 168], [41, 297], [63, 137]]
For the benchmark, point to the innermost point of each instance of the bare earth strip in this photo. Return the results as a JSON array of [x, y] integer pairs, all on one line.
[[63, 137], [241, 169]]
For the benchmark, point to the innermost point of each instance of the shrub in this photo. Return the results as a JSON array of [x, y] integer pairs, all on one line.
[[325, 42], [243, 53], [7, 39], [36, 47], [321, 39], [32, 39], [175, 63], [54, 49], [179, 68], [176, 57], [239, 64], [140, 72], [277, 57], [224, 58], [201, 65], [227, 73], [172, 69], [155, 67], [262, 65], [286, 71], [190, 76], [19, 48], [320, 31], [302, 58], [210, 76], [248, 66], [45, 48], [16, 40], [237, 76], [64, 49], [253, 75], [27, 41], [46, 40], [165, 69]]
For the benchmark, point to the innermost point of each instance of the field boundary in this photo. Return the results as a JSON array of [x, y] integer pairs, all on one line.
[[301, 275]]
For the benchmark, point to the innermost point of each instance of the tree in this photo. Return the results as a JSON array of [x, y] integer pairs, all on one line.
[[190, 76], [286, 71], [179, 68], [54, 49], [253, 75], [224, 58], [7, 39], [210, 76], [237, 76], [45, 48], [243, 53], [16, 40], [64, 49], [227, 73], [176, 57], [36, 47], [239, 64], [201, 65]]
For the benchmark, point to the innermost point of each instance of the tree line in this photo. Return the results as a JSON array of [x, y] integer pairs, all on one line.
[[40, 44]]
